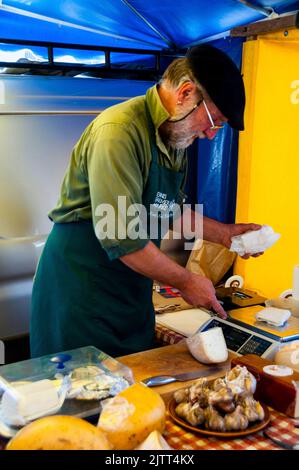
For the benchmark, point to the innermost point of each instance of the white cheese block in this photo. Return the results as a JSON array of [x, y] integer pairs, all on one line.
[[208, 347], [29, 401]]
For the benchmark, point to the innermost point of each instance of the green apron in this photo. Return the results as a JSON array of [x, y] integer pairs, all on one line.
[[81, 298]]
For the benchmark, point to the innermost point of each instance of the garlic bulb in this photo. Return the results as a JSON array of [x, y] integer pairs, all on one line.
[[252, 409], [241, 381], [181, 395], [214, 420], [223, 399], [236, 421]]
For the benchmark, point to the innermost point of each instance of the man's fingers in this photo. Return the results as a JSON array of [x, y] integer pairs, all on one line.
[[219, 309], [255, 226]]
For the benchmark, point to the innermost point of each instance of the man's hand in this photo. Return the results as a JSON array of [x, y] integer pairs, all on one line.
[[232, 230], [200, 292], [220, 233], [196, 290]]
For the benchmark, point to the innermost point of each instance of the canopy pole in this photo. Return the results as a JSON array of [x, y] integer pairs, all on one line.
[[267, 11], [136, 12]]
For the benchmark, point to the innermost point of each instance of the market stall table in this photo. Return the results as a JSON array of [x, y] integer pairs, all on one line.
[[158, 361], [175, 358]]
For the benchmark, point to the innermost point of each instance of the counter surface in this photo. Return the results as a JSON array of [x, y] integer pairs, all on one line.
[[167, 360]]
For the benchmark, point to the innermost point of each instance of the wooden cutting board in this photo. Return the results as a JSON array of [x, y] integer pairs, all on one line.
[[168, 360]]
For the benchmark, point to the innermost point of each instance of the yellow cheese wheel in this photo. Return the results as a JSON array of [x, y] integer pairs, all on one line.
[[131, 416], [59, 433]]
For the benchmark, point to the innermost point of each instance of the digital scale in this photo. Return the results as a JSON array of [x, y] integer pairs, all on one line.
[[246, 335], [243, 333]]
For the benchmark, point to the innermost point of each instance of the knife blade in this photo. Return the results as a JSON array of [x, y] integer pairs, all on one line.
[[166, 379]]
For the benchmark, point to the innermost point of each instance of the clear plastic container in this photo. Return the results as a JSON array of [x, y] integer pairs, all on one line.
[[56, 366]]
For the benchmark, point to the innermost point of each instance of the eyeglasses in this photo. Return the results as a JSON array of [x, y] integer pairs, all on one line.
[[213, 125], [186, 115]]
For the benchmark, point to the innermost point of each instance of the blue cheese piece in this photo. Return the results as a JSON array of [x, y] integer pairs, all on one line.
[[92, 386]]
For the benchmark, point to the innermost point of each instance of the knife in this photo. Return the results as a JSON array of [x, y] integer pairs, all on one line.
[[167, 379], [284, 445]]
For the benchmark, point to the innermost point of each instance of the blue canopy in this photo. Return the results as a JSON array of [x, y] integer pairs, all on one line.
[[153, 24]]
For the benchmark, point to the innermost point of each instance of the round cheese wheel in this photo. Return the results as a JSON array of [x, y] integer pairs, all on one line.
[[128, 418], [288, 355], [59, 433]]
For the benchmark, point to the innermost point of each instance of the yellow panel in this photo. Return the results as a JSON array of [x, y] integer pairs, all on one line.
[[268, 172]]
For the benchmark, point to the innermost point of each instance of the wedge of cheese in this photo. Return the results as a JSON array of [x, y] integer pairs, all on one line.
[[131, 416], [208, 347]]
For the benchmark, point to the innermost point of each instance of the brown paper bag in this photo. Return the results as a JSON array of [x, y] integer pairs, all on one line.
[[210, 260]]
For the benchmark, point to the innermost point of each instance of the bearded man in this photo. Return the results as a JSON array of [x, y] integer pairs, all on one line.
[[93, 285]]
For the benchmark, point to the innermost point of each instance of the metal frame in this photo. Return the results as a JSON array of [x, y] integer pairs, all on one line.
[[267, 26], [107, 69]]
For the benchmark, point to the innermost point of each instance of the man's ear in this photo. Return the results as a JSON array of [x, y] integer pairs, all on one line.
[[186, 92]]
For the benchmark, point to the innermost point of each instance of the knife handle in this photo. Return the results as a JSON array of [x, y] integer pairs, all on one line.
[[158, 380]]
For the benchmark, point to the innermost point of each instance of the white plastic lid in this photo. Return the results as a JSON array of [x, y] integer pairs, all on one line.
[[278, 370]]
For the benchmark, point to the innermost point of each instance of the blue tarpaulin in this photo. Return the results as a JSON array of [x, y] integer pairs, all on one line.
[[154, 24]]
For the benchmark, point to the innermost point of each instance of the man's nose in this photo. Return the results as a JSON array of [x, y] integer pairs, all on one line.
[[211, 134]]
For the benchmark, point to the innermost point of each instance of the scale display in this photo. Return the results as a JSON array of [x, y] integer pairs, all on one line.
[[241, 341]]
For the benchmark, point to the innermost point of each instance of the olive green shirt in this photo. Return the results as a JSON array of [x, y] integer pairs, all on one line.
[[112, 159]]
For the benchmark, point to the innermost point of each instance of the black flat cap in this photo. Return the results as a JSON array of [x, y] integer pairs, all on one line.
[[222, 79]]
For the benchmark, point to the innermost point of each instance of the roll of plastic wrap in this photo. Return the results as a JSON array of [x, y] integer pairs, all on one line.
[[286, 293], [234, 281]]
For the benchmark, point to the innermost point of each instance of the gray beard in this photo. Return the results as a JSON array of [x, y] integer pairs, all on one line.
[[177, 135]]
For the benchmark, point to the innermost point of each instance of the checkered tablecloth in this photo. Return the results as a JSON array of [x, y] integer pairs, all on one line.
[[165, 336], [280, 427]]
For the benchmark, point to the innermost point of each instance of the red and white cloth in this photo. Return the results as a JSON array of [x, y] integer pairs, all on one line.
[[280, 428]]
